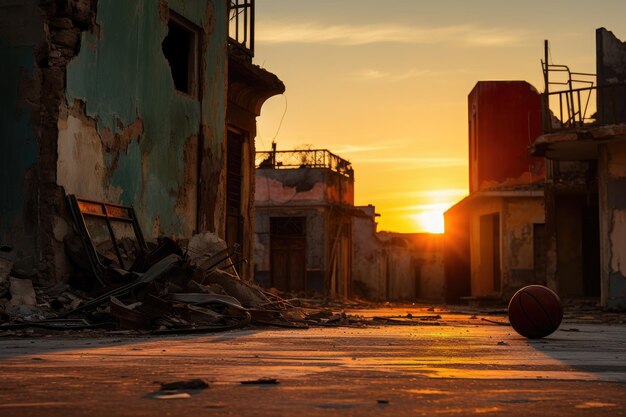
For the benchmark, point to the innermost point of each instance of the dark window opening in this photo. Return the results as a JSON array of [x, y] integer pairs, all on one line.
[[234, 184], [179, 48]]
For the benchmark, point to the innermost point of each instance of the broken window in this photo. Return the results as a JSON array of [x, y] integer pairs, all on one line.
[[180, 48]]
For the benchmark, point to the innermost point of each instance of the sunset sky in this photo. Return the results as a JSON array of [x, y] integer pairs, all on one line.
[[385, 84]]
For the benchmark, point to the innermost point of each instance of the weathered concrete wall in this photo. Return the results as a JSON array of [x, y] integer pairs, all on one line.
[[293, 186], [316, 237], [481, 279], [428, 250], [21, 34], [38, 40], [92, 110], [396, 266], [401, 273], [144, 138], [321, 196], [303, 186], [610, 70], [369, 270], [516, 216], [612, 191], [518, 268]]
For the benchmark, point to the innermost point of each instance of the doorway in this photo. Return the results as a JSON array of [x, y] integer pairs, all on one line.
[[288, 253]]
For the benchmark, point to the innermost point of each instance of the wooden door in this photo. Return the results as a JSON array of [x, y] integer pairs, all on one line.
[[288, 253]]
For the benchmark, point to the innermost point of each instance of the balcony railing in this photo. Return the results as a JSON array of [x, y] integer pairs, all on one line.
[[310, 158], [241, 25], [578, 102], [588, 106]]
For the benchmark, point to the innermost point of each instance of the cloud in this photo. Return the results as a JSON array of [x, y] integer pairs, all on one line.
[[350, 149], [351, 35], [369, 74], [415, 162]]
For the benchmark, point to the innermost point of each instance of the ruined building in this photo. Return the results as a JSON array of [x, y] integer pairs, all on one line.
[[495, 237], [395, 266], [585, 146], [145, 103], [304, 214]]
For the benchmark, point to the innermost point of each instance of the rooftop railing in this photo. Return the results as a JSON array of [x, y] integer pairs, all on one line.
[[578, 102], [309, 158], [241, 25]]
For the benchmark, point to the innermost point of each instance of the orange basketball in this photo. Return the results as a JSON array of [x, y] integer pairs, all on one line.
[[535, 311]]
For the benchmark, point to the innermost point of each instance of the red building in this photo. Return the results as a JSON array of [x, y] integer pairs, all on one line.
[[504, 119], [495, 237]]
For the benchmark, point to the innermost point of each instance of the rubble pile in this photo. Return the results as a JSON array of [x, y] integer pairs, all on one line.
[[175, 293], [122, 282]]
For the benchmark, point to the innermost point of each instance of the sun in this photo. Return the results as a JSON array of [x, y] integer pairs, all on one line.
[[430, 221]]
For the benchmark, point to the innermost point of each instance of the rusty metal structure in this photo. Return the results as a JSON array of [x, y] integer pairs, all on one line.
[[578, 100], [306, 158], [241, 25]]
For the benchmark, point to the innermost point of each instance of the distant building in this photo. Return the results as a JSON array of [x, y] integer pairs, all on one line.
[[586, 177], [304, 213], [395, 266], [495, 237]]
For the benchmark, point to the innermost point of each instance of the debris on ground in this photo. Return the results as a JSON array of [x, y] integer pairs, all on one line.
[[261, 381], [195, 383], [172, 396], [125, 285]]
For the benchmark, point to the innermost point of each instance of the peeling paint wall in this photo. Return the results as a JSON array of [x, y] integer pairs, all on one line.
[[516, 216], [304, 185], [142, 135], [320, 196], [518, 268], [90, 108], [612, 167]]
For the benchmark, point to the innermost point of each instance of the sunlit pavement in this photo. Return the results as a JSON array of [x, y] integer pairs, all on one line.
[[465, 366]]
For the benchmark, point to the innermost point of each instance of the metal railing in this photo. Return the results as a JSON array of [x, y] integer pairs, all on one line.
[[241, 25], [579, 102], [309, 158], [573, 108]]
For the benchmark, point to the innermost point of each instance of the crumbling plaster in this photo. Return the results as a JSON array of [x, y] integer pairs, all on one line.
[[276, 186], [613, 220], [517, 216], [279, 186], [124, 80]]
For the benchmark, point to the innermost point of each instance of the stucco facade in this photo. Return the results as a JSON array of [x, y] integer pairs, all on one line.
[[495, 237], [395, 266], [303, 226], [124, 102]]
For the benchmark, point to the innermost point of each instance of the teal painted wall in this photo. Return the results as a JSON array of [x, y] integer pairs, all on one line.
[[18, 143], [122, 76]]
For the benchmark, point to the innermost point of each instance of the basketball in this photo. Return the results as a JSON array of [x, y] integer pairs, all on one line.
[[535, 311]]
